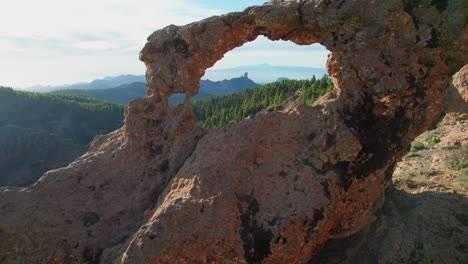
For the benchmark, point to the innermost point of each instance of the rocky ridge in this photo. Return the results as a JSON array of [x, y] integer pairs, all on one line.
[[273, 188]]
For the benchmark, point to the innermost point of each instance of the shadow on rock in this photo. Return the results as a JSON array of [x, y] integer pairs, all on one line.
[[429, 227]]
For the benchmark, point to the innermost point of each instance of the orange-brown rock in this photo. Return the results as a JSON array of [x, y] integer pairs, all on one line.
[[456, 100], [423, 219], [272, 188]]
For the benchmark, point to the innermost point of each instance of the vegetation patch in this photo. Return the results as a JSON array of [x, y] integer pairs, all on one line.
[[433, 140], [462, 182], [40, 132], [417, 146], [426, 171], [77, 117], [458, 160], [407, 175]]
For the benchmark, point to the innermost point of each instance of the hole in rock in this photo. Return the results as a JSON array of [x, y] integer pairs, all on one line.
[[176, 99], [259, 75]]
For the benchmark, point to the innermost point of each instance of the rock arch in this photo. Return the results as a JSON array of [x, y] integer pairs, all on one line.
[[387, 66], [189, 50], [271, 189]]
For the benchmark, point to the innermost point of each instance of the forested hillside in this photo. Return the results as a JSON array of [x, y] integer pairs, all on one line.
[[79, 118], [40, 132], [217, 112], [25, 154], [121, 94]]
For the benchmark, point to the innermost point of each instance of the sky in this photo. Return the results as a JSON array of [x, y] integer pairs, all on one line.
[[52, 42]]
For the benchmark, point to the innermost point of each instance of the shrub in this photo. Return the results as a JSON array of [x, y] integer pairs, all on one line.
[[458, 160], [426, 171], [417, 146], [407, 175], [411, 154], [462, 183], [433, 140]]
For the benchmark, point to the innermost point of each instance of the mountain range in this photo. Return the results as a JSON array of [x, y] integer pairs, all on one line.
[[127, 92], [262, 73], [104, 83]]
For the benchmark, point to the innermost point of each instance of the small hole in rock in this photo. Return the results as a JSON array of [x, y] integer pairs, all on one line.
[[175, 99]]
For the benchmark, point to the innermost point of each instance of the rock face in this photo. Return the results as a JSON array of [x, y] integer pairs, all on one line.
[[457, 98], [423, 219], [270, 189]]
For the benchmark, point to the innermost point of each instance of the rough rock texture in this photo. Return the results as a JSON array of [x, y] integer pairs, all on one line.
[[272, 188], [72, 214], [457, 98], [457, 92], [424, 217]]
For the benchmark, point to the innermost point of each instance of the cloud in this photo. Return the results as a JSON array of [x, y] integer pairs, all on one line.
[[95, 45], [121, 22], [7, 47], [49, 41], [58, 19]]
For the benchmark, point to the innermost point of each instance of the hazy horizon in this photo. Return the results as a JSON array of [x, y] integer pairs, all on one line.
[[260, 73]]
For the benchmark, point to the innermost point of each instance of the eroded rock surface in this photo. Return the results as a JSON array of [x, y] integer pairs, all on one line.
[[457, 98], [424, 217], [272, 188]]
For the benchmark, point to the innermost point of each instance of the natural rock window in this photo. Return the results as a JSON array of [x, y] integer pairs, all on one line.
[[263, 79]]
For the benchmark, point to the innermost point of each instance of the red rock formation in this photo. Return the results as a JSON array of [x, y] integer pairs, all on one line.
[[272, 188], [423, 217]]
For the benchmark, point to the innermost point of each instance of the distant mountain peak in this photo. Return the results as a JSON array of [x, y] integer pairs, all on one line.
[[265, 73]]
